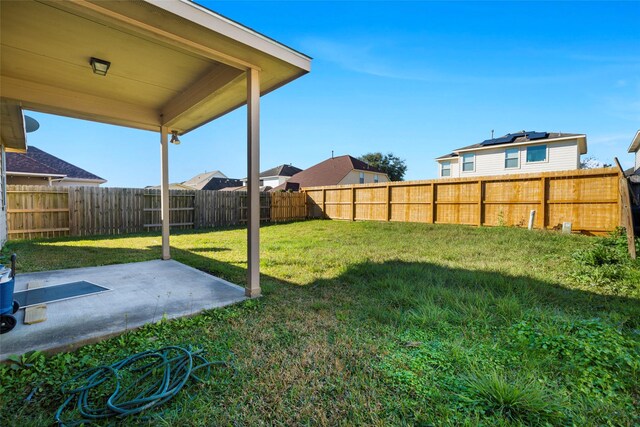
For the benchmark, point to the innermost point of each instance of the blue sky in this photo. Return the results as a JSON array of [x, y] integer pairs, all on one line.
[[414, 78]]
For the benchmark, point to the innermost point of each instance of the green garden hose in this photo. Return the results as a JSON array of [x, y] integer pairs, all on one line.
[[137, 383]]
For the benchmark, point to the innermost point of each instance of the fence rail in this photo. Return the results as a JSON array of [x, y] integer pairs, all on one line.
[[589, 199], [40, 211]]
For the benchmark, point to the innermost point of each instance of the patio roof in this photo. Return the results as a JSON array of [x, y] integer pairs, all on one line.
[[173, 63], [174, 66]]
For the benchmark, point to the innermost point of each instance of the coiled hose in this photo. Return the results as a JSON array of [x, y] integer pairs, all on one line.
[[137, 383]]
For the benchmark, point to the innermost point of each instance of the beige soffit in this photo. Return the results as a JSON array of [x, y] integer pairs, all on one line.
[[173, 63], [12, 131]]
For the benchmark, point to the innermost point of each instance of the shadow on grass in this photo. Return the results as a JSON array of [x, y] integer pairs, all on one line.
[[387, 290], [352, 320]]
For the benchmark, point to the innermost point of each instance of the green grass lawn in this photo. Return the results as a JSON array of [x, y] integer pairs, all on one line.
[[377, 324]]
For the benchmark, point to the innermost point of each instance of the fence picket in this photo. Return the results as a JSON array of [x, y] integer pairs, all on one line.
[[41, 211]]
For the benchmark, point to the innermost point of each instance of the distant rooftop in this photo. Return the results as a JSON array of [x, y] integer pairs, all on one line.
[[37, 161], [328, 172], [282, 170], [515, 138], [201, 180]]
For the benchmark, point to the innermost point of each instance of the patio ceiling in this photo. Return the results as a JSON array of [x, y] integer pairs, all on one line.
[[174, 67], [173, 63]]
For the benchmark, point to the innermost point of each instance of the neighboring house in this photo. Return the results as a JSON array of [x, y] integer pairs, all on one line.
[[634, 172], [339, 170], [37, 167], [200, 181], [521, 152], [214, 180], [276, 176]]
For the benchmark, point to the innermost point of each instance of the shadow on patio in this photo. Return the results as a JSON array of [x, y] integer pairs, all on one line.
[[140, 292]]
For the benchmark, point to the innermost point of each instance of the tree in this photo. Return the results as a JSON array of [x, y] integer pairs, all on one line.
[[593, 163], [393, 166]]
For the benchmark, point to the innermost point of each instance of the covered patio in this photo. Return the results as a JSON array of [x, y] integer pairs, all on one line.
[[162, 66]]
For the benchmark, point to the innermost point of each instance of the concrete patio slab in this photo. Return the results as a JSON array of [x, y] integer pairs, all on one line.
[[141, 293]]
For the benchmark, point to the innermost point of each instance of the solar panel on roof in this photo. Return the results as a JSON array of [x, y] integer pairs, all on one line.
[[536, 135], [510, 137]]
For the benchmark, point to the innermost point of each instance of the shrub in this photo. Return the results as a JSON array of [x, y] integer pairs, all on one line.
[[606, 265], [595, 357]]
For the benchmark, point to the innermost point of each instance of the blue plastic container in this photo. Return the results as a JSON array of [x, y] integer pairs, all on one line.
[[6, 296]]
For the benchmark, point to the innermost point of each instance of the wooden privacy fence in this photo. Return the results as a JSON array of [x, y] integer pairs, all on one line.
[[40, 211], [589, 199]]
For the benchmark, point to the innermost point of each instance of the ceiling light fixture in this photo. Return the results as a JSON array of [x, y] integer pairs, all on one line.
[[174, 137], [99, 66]]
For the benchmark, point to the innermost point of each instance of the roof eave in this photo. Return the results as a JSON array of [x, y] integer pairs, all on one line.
[[39, 175], [70, 178], [635, 143], [234, 30]]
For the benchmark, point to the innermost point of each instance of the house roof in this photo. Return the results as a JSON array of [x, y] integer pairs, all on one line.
[[40, 162], [635, 143], [447, 156], [329, 172], [520, 138], [282, 170], [201, 180], [220, 183]]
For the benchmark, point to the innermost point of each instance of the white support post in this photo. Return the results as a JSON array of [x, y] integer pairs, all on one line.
[[252, 289], [164, 191]]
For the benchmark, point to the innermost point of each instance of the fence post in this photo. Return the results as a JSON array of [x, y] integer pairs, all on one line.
[[480, 201], [324, 203], [433, 202], [388, 205], [543, 202], [626, 218], [353, 203]]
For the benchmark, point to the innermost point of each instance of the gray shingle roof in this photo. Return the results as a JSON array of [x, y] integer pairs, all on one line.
[[41, 162]]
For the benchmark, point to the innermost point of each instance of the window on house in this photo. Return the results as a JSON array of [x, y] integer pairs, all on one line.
[[511, 158], [537, 153], [361, 177], [445, 169], [376, 179], [468, 162]]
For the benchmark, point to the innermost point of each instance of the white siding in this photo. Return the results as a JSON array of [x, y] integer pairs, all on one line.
[[455, 168], [353, 177], [274, 181], [560, 156], [637, 160]]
